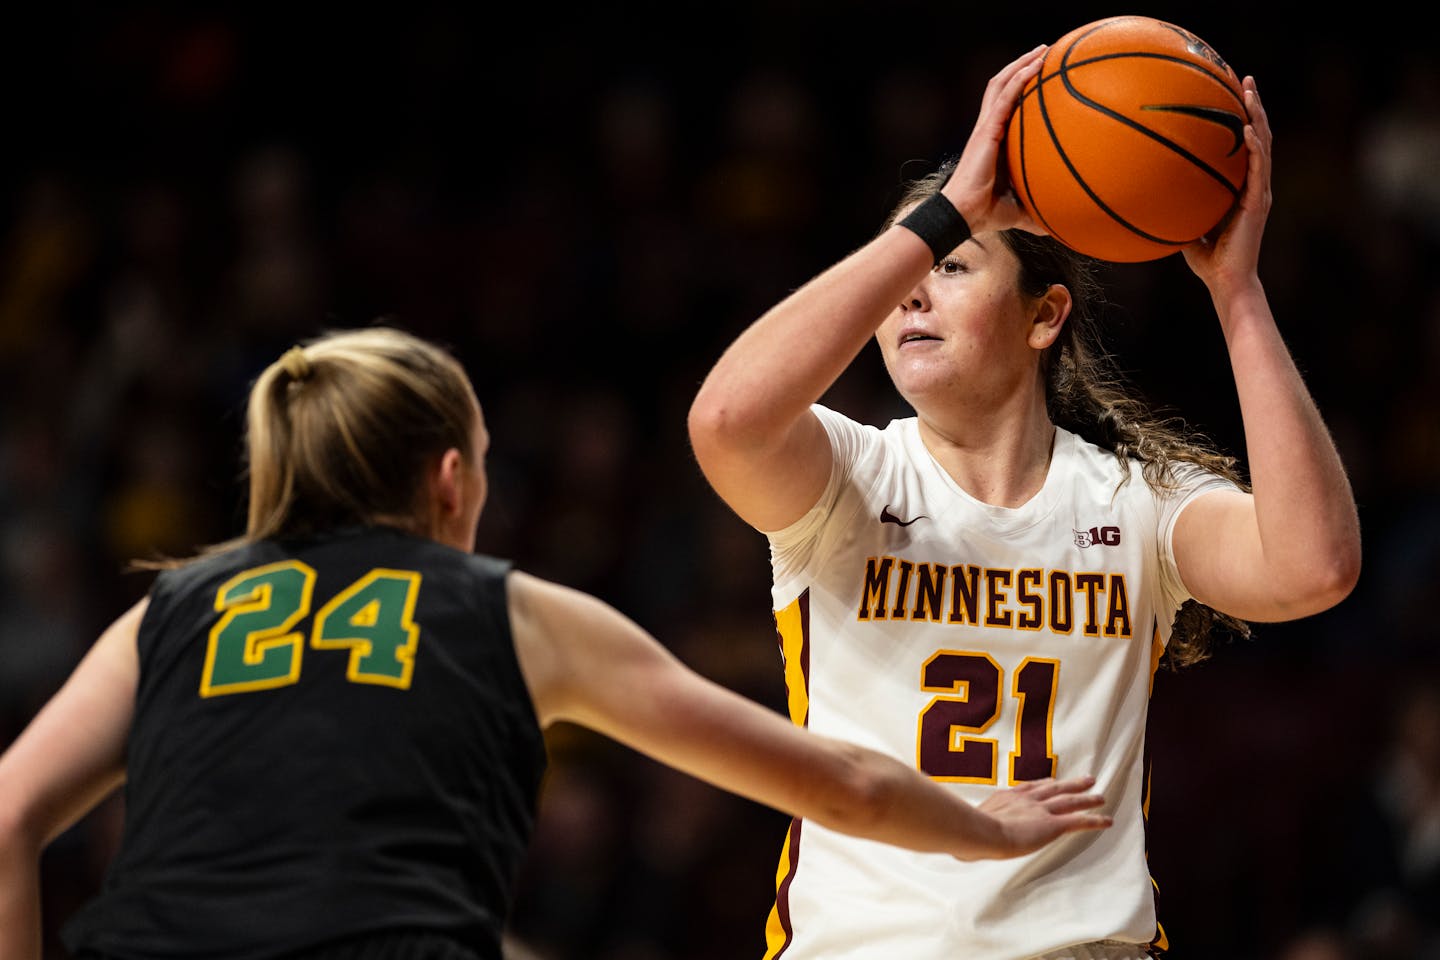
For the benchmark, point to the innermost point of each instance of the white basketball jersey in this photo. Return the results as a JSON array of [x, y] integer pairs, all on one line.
[[986, 646]]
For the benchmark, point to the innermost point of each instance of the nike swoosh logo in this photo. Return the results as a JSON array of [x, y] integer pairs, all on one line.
[[887, 517], [1224, 118]]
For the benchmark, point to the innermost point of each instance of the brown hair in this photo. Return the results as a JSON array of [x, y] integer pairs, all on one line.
[[339, 431], [1086, 394]]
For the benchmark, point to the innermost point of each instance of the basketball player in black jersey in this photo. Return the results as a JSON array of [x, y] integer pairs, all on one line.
[[329, 730]]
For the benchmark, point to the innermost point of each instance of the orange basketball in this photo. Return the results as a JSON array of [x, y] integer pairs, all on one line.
[[1128, 144]]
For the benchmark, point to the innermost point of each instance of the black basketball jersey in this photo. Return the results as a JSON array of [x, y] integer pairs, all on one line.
[[331, 737]]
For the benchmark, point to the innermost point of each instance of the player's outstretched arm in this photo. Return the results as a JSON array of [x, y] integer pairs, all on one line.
[[589, 664]]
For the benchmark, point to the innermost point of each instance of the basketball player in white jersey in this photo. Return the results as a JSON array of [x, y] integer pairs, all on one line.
[[986, 588]]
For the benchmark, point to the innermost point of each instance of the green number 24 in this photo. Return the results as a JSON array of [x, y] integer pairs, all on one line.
[[256, 644]]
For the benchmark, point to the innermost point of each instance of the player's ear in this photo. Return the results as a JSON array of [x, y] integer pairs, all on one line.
[[447, 482], [1051, 310]]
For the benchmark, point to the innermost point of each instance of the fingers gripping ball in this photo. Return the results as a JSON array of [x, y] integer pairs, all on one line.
[[1129, 143]]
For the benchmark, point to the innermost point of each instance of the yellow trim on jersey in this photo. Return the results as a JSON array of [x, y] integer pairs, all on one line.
[[1157, 650], [790, 626], [777, 934]]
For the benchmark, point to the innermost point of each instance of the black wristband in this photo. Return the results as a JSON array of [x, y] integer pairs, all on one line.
[[939, 224]]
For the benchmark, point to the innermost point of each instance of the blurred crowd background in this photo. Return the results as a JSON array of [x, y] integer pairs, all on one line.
[[587, 204]]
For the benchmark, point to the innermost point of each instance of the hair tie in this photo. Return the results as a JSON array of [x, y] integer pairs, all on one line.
[[296, 363]]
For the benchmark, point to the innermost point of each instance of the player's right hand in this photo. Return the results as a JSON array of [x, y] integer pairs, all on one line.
[[1037, 812]]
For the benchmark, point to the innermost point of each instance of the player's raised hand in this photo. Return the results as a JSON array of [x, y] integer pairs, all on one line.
[[976, 187], [1233, 256]]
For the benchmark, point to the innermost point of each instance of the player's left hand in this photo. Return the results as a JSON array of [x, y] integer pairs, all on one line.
[[1232, 255]]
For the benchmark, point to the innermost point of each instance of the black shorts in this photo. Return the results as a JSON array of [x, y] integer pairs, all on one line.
[[397, 945], [390, 945]]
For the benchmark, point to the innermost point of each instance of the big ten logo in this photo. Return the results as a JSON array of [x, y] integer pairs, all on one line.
[[1098, 536]]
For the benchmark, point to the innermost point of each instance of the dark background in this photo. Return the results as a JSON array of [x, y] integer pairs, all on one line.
[[587, 204]]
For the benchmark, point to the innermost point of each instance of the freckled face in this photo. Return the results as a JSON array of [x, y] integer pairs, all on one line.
[[963, 330]]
